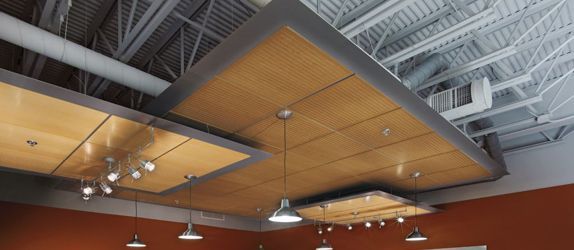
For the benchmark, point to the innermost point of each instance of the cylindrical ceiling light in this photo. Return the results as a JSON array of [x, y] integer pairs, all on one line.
[[190, 233], [416, 235], [285, 214], [147, 165], [136, 242], [106, 188]]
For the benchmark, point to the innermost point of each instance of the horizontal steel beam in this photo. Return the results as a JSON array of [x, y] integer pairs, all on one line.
[[374, 16], [468, 67], [510, 82], [499, 110], [538, 128], [435, 40]]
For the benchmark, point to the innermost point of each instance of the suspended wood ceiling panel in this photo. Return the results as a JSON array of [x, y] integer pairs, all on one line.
[[370, 206], [58, 127], [73, 140], [342, 102], [335, 138]]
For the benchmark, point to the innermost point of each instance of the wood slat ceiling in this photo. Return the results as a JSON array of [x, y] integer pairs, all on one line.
[[335, 134], [73, 141]]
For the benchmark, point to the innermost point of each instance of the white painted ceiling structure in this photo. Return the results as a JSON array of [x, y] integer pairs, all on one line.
[[522, 46]]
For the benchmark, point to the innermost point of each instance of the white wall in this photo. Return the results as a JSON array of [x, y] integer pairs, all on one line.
[[536, 168]]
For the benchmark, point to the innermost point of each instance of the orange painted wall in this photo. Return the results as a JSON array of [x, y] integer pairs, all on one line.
[[27, 227], [541, 219], [538, 220]]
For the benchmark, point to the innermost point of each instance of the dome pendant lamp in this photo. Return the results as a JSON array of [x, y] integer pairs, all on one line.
[[136, 242], [190, 233], [285, 214], [416, 235]]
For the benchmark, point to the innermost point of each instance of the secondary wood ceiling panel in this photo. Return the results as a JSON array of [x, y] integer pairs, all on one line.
[[194, 157], [336, 132], [57, 126], [117, 137], [374, 206]]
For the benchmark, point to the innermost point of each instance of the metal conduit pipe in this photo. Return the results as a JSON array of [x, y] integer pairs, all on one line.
[[424, 71], [30, 37]]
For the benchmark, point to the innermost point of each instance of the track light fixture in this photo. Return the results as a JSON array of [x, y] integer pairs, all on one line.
[[285, 214], [147, 165], [319, 229], [349, 227], [134, 173], [86, 197], [113, 176], [368, 224], [106, 189], [381, 223], [416, 235], [331, 227], [400, 219], [190, 233], [87, 190]]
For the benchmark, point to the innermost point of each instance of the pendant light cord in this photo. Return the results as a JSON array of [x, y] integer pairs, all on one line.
[[285, 157], [416, 201], [136, 218], [189, 200]]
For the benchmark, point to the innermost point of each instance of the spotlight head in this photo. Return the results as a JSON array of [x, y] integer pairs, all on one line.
[[368, 224], [349, 227], [113, 176], [319, 230], [134, 173], [331, 228], [106, 188], [85, 197], [381, 223], [87, 190], [400, 219], [147, 165]]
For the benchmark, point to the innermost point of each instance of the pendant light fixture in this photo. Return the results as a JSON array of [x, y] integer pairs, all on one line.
[[260, 247], [324, 245], [416, 235], [285, 214], [136, 242], [190, 233]]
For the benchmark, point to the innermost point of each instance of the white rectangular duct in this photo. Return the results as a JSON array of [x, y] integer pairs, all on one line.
[[45, 43]]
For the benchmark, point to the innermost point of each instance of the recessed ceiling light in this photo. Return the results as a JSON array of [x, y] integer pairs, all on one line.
[[386, 131]]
